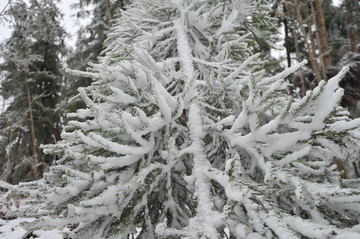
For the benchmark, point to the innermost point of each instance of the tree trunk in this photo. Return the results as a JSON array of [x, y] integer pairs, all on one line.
[[312, 21], [108, 11], [324, 46], [312, 56], [313, 15], [351, 23], [33, 140], [303, 86], [8, 159], [288, 56]]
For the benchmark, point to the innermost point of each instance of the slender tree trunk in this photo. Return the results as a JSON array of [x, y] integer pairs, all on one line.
[[33, 140], [324, 46], [108, 11], [288, 56], [311, 21], [8, 159], [313, 15], [313, 60], [351, 23], [296, 39]]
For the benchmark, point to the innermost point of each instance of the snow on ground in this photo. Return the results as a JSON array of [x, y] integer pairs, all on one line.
[[11, 229]]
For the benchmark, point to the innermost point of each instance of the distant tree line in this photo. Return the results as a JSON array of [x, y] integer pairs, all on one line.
[[38, 93]]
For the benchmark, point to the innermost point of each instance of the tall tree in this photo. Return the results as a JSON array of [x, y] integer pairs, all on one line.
[[183, 136], [89, 45], [31, 83]]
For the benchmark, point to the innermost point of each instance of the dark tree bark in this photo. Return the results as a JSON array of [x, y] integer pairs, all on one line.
[[287, 40]]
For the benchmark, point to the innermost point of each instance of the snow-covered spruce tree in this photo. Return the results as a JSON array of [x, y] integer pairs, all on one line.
[[31, 74], [185, 137]]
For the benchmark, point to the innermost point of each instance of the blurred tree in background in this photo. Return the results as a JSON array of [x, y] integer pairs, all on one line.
[[31, 73]]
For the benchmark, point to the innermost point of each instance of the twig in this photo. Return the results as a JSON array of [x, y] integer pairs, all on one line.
[[2, 11]]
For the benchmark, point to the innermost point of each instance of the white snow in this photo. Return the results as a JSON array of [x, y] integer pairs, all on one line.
[[12, 229]]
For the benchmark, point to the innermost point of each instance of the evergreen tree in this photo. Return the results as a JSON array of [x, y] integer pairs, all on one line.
[[183, 136], [31, 81], [89, 45], [338, 26]]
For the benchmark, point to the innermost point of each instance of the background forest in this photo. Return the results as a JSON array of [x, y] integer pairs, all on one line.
[[92, 104], [34, 85], [38, 93]]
